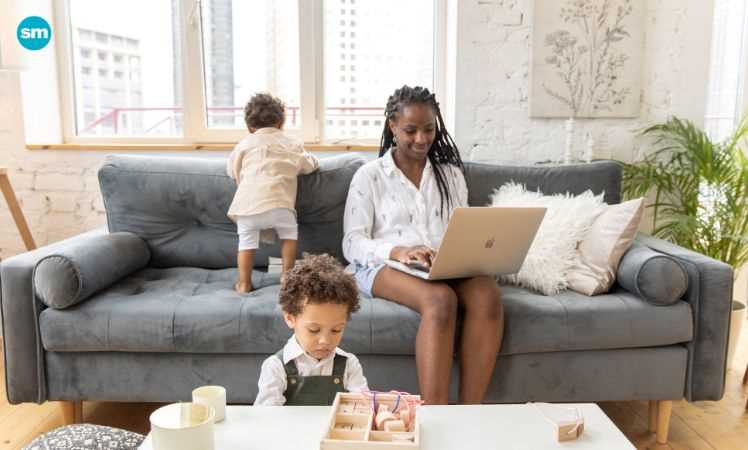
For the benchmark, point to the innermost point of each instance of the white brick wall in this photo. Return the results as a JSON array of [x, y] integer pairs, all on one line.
[[493, 73], [59, 190]]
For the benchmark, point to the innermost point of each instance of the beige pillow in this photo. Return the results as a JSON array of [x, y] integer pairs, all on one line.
[[599, 253]]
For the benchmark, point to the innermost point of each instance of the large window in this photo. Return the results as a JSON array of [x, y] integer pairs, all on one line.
[[123, 67], [182, 70], [249, 46], [372, 47], [726, 100]]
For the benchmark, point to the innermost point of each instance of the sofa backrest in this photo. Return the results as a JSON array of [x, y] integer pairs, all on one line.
[[178, 205], [598, 176]]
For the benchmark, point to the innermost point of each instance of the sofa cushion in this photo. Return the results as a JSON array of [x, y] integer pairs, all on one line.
[[182, 310], [75, 272], [197, 311], [654, 276], [551, 256], [600, 252], [178, 206], [573, 321], [600, 177]]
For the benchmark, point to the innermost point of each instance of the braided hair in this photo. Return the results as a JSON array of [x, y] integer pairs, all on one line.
[[443, 150]]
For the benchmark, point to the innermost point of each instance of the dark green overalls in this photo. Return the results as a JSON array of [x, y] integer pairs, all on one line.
[[314, 390]]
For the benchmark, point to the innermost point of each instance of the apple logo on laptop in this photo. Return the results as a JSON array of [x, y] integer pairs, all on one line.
[[489, 243]]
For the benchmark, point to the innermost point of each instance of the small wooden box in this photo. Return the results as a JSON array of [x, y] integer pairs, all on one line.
[[568, 431], [350, 426]]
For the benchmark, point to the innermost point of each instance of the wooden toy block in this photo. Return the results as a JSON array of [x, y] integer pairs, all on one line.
[[568, 431], [394, 425], [567, 421]]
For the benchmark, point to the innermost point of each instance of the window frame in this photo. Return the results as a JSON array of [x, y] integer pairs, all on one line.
[[196, 129]]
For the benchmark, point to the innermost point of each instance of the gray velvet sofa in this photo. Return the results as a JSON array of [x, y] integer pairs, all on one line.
[[146, 311]]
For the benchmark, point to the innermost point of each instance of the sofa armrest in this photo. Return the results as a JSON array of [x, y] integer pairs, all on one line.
[[710, 284], [23, 352]]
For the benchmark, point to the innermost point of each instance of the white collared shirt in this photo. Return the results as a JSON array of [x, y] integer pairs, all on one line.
[[385, 209], [273, 382]]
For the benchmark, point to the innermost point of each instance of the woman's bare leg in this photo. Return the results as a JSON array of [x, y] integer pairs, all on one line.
[[437, 305], [482, 333]]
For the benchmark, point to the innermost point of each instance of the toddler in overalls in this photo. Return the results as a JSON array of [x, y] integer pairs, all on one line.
[[265, 165], [317, 298]]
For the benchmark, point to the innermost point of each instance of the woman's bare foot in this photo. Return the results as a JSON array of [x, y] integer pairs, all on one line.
[[243, 288]]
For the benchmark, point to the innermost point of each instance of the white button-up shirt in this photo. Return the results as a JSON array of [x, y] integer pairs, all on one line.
[[385, 209], [273, 382]]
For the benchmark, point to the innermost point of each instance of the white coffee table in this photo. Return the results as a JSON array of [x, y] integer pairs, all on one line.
[[442, 427]]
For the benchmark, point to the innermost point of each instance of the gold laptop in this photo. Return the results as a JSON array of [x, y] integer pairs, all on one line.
[[482, 241]]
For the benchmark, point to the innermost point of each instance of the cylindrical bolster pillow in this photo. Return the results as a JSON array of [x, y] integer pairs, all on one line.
[[72, 275], [653, 276]]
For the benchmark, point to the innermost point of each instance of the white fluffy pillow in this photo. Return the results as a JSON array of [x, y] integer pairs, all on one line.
[[567, 220]]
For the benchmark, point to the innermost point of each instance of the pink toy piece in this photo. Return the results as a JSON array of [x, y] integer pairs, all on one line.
[[404, 408], [405, 417], [383, 416]]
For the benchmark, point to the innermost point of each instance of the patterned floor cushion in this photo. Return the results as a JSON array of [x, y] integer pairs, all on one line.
[[86, 437]]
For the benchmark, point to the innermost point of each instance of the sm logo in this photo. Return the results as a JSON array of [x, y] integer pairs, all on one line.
[[34, 33]]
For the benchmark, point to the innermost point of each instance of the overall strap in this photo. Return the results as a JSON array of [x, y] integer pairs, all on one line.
[[290, 367], [338, 365]]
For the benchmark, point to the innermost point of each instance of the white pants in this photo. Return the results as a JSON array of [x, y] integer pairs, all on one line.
[[283, 220]]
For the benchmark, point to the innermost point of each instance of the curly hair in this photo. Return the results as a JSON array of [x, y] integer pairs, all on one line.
[[264, 110], [317, 279]]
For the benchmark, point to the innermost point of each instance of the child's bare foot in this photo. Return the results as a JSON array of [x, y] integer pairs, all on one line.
[[243, 288]]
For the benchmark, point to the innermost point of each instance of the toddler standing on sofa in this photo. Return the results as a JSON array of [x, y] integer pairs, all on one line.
[[317, 298], [265, 166]]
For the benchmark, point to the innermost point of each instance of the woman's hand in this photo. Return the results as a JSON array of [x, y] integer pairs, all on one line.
[[419, 254]]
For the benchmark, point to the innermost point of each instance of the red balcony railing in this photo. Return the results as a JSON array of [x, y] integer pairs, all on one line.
[[115, 117]]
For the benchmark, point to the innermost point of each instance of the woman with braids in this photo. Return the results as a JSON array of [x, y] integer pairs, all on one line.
[[398, 208]]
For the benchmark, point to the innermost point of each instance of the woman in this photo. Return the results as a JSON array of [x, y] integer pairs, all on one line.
[[398, 208]]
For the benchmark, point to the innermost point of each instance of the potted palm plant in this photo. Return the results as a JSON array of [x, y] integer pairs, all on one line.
[[700, 190]]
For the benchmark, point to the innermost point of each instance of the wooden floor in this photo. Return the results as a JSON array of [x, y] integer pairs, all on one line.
[[719, 425]]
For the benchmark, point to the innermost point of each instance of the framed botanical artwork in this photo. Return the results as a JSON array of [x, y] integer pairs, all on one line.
[[586, 58]]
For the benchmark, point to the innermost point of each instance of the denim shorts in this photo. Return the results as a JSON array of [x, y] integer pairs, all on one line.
[[364, 276]]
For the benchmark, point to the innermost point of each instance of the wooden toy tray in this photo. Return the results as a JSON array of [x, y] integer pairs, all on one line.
[[350, 426]]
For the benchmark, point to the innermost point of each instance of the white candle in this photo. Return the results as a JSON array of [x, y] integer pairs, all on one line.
[[214, 396], [182, 426], [569, 140], [590, 148]]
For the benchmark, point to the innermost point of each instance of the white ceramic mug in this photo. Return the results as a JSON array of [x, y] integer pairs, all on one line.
[[214, 396], [182, 426]]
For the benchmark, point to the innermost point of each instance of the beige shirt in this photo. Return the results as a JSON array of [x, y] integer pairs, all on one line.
[[265, 165]]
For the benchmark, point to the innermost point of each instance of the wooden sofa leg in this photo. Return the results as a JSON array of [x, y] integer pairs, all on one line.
[[664, 409], [72, 412], [652, 416]]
